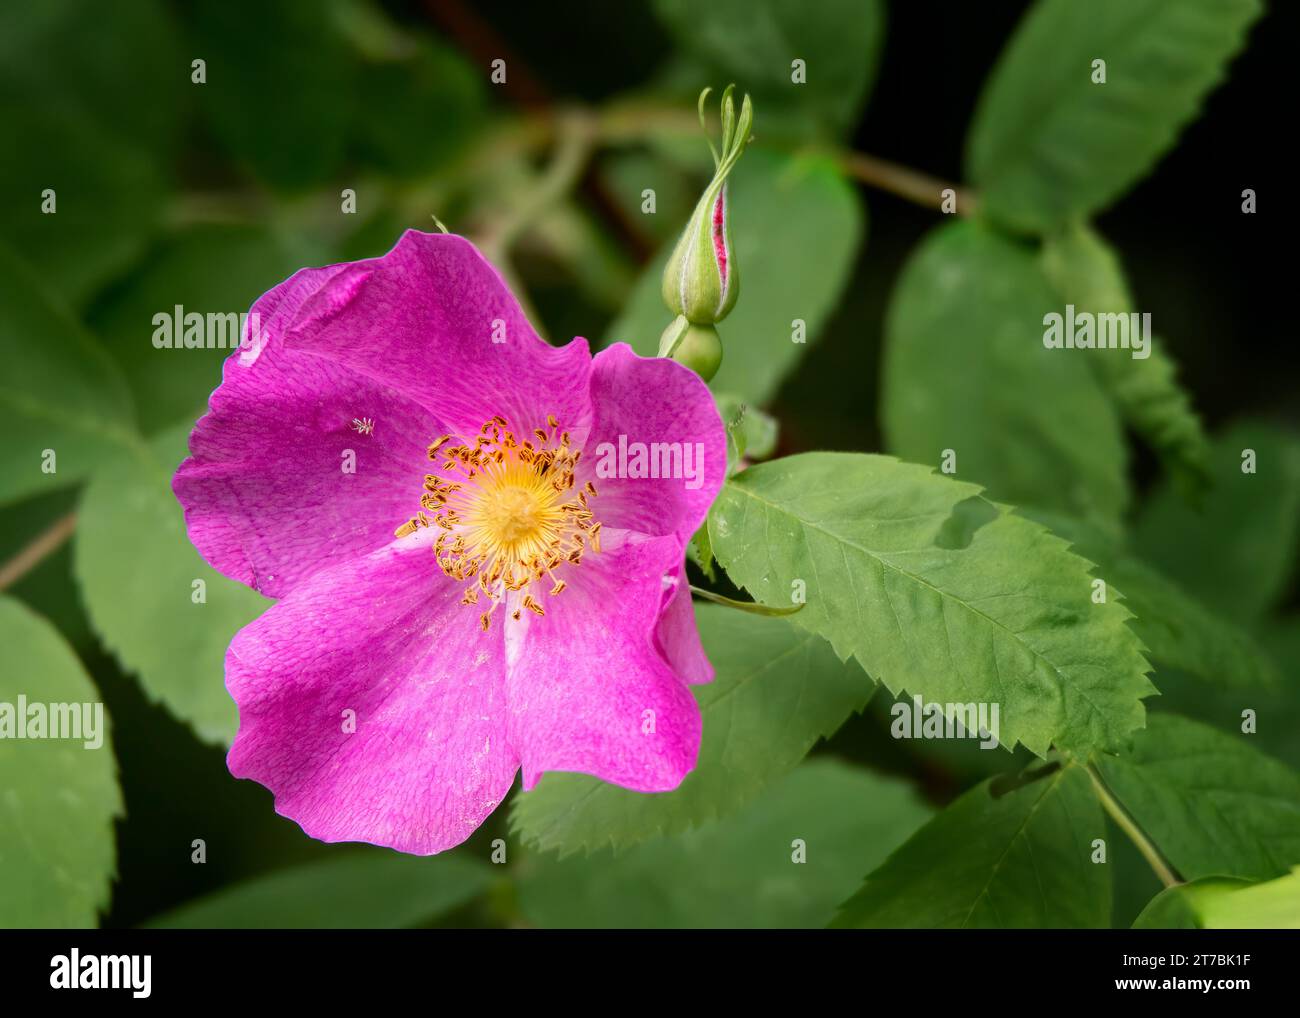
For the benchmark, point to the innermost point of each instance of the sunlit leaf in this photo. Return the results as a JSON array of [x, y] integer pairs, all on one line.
[[937, 591], [58, 797], [165, 613]]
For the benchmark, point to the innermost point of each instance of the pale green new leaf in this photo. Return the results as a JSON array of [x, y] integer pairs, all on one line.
[[64, 402], [937, 591], [1020, 858], [776, 691], [1274, 905], [1086, 273], [784, 209], [1219, 903], [58, 798], [138, 573], [1179, 907], [966, 370], [358, 890], [1212, 804], [1048, 144], [739, 871]]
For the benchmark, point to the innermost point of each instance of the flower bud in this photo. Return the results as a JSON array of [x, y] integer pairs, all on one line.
[[696, 346], [700, 280]]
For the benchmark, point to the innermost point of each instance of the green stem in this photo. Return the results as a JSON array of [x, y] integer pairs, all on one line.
[[1135, 834], [574, 143], [746, 606]]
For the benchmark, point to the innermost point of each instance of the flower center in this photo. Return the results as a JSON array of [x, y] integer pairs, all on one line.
[[507, 514]]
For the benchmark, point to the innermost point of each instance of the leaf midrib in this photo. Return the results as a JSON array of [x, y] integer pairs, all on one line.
[[875, 557]]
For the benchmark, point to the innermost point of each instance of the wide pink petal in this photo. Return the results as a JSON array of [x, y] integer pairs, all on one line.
[[651, 400], [384, 637], [403, 344], [425, 319], [588, 687], [280, 483]]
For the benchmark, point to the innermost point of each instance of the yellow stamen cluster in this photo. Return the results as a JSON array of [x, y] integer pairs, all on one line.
[[506, 514]]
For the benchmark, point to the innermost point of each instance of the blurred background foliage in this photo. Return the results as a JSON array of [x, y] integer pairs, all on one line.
[[205, 195]]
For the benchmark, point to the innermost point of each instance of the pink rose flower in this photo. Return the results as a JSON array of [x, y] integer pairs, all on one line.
[[467, 560]]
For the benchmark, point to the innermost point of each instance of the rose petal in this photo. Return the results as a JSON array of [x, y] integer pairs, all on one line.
[[403, 342], [425, 320], [382, 636], [678, 638], [650, 400], [589, 690]]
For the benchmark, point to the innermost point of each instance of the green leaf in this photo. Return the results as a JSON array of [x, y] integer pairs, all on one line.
[[738, 872], [753, 42], [1246, 531], [370, 890], [700, 551], [1274, 905], [1181, 632], [1211, 802], [938, 591], [751, 433], [57, 846], [1047, 145], [1086, 273], [782, 208], [1276, 707], [139, 573], [1179, 907], [776, 691], [966, 369], [59, 390], [1222, 904], [172, 385], [1178, 630], [94, 123], [1019, 859], [281, 91], [428, 100]]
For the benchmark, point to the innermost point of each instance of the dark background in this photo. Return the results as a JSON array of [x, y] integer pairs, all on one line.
[[1212, 278]]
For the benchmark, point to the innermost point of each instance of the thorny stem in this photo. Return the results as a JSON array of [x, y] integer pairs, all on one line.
[[37, 550], [1135, 833]]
